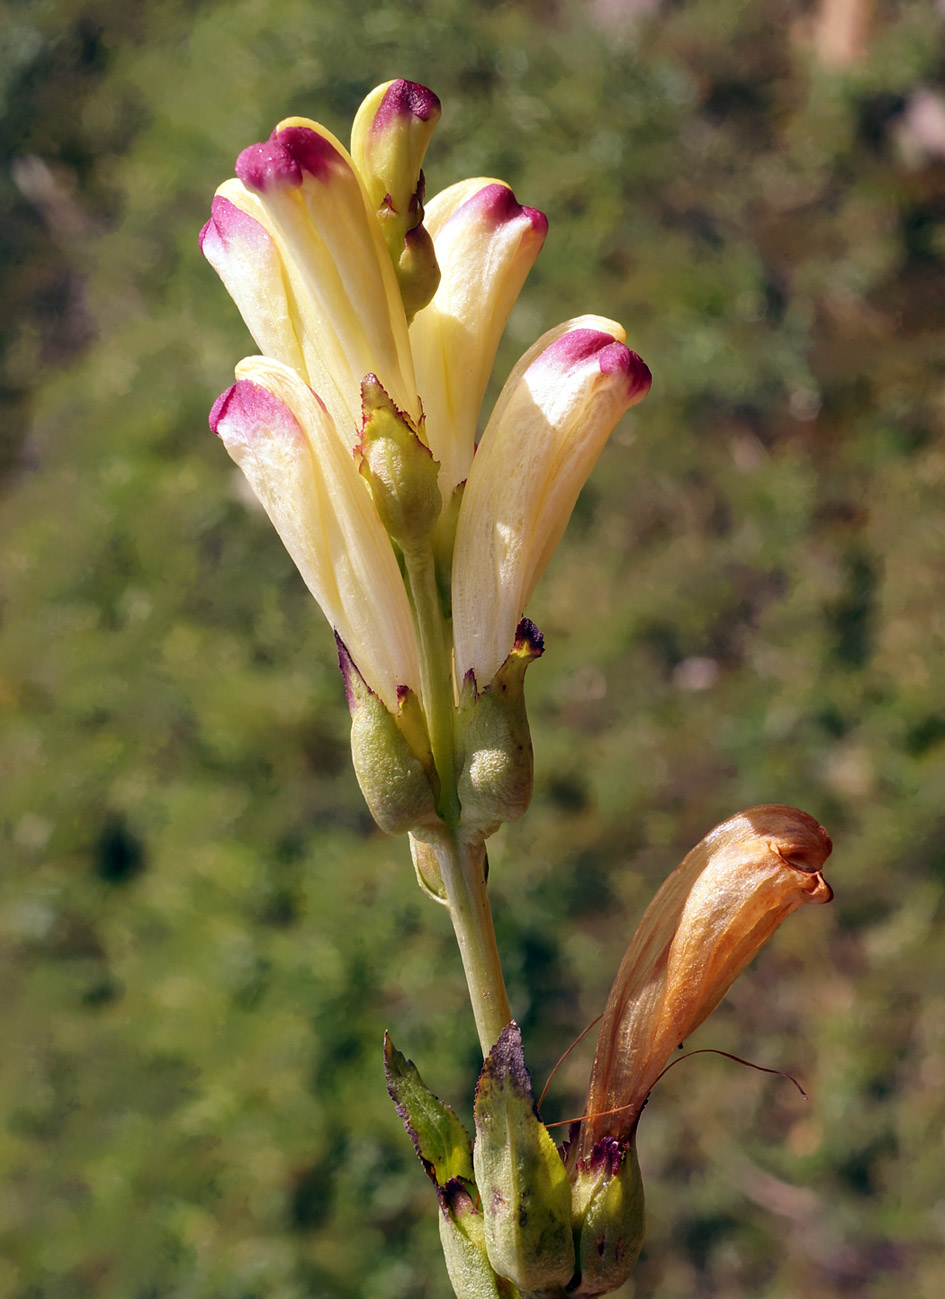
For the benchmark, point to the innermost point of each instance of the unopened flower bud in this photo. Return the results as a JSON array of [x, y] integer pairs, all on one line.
[[398, 467], [496, 780], [394, 781], [388, 141]]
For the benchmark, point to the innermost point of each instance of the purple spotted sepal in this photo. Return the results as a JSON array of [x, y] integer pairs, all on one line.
[[523, 1186], [445, 1151]]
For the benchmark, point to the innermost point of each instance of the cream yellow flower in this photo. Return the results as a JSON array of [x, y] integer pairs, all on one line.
[[286, 443], [320, 253]]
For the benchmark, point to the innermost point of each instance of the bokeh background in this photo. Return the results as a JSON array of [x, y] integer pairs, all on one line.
[[202, 937]]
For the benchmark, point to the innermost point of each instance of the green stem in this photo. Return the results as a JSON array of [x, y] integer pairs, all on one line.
[[461, 858], [435, 675], [462, 864]]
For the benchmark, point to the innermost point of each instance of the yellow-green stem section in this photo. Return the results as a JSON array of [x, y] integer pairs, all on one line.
[[461, 859], [462, 867], [435, 675]]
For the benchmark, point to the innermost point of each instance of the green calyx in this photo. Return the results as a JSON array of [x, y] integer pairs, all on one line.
[[505, 1203], [522, 1181], [463, 1238], [445, 1151], [495, 784], [418, 272], [395, 772], [399, 469], [608, 1216]]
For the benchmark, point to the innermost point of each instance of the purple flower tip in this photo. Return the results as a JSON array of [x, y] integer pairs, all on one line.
[[618, 357], [497, 205], [227, 224], [538, 219], [582, 345], [607, 1156], [579, 345], [247, 410], [527, 636], [264, 166], [285, 157], [406, 97], [218, 409]]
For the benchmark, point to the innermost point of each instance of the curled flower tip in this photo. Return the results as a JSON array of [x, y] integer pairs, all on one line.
[[497, 206], [286, 157], [706, 923], [639, 379], [613, 358]]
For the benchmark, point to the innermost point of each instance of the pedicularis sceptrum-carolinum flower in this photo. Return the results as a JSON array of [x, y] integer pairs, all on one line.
[[379, 319]]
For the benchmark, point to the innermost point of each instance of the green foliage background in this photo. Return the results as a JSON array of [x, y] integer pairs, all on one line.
[[203, 937]]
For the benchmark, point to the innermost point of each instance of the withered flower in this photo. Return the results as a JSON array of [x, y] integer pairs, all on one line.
[[707, 922]]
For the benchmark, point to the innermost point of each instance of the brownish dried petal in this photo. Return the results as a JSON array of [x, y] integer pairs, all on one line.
[[706, 923]]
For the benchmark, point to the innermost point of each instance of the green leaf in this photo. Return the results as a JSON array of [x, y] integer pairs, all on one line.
[[522, 1182], [439, 1138]]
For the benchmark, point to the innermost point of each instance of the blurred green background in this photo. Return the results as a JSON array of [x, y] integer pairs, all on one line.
[[203, 937]]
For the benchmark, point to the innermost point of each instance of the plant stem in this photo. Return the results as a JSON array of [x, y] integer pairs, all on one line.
[[462, 862], [435, 675], [461, 857]]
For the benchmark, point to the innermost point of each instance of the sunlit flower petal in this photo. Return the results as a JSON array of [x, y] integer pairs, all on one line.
[[283, 439], [549, 425], [485, 243], [246, 258], [340, 290], [698, 934]]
